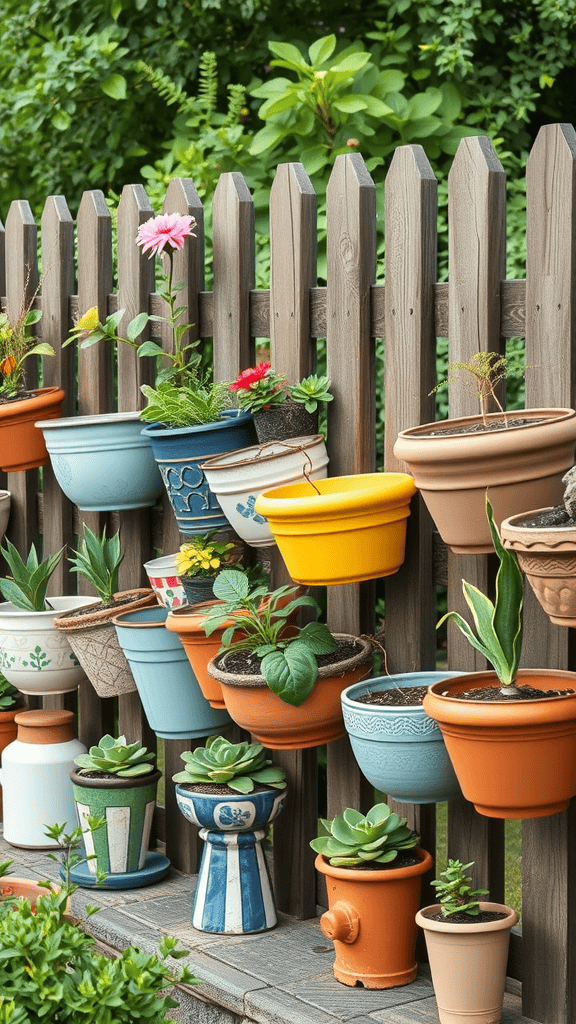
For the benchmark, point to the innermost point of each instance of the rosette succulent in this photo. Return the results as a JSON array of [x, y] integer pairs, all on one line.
[[352, 839], [237, 765], [117, 757]]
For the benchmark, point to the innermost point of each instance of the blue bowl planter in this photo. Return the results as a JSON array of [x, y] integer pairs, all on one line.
[[170, 695], [400, 749], [103, 463], [179, 451], [233, 895]]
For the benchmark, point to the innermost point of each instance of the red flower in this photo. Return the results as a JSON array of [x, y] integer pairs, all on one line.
[[251, 376]]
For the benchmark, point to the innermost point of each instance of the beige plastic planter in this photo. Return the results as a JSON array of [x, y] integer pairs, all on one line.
[[521, 467], [468, 964], [548, 559]]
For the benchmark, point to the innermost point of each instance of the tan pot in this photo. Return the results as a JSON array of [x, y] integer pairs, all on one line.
[[92, 636], [548, 558], [468, 964], [521, 467]]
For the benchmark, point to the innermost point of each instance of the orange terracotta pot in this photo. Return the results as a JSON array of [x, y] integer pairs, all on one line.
[[27, 888], [187, 621], [371, 920], [513, 759], [280, 726], [8, 732], [21, 443]]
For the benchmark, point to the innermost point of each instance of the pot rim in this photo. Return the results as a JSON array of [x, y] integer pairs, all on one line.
[[347, 695], [500, 714], [40, 397], [17, 614], [357, 494], [542, 534], [546, 413], [99, 617], [386, 875], [138, 782], [474, 927], [162, 562], [117, 619], [159, 430], [326, 671], [218, 462], [217, 797], [93, 420]]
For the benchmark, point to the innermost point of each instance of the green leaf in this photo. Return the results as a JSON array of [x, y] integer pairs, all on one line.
[[61, 120], [353, 62], [231, 587], [286, 51], [425, 103], [317, 638], [136, 326], [350, 105], [41, 349], [114, 86], [509, 598], [391, 80], [291, 673], [150, 348], [322, 49]]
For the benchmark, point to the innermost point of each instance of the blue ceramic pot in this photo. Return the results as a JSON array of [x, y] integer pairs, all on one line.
[[170, 695], [233, 895], [103, 463], [179, 452], [400, 749]]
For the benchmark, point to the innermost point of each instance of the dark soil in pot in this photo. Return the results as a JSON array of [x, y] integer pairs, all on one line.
[[220, 789], [482, 428], [404, 859], [493, 693], [408, 696], [553, 517], [100, 607], [462, 918], [20, 397], [248, 664]]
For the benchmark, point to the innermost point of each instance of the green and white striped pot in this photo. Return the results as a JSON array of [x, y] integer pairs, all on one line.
[[128, 806]]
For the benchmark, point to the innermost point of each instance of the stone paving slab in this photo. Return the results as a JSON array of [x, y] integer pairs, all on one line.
[[347, 1003], [279, 956], [425, 1012]]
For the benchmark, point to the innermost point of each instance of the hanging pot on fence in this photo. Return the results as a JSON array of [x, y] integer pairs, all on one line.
[[398, 747], [180, 451], [103, 462], [354, 529], [187, 623], [547, 557], [21, 443], [165, 582], [521, 467], [170, 695], [239, 478]]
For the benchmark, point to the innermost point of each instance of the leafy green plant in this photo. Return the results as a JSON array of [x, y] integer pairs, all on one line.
[[185, 406], [498, 624], [127, 760], [350, 838], [454, 892], [237, 765], [8, 693], [481, 375], [16, 345], [260, 387], [26, 587], [310, 391], [201, 556], [98, 560], [288, 663], [71, 844]]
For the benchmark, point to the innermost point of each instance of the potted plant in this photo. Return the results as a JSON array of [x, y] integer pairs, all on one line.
[[507, 730], [233, 792], [238, 478], [200, 560], [467, 942], [544, 542], [281, 682], [519, 457], [21, 443], [91, 633], [34, 656], [341, 530], [398, 747], [281, 410], [117, 781], [373, 872]]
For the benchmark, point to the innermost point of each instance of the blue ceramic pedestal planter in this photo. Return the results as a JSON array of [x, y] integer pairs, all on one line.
[[400, 749], [233, 894], [170, 695], [179, 452]]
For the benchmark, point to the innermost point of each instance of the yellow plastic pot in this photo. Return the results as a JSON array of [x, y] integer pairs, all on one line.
[[353, 530]]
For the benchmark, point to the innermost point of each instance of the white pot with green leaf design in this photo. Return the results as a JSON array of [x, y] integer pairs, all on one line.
[[34, 656]]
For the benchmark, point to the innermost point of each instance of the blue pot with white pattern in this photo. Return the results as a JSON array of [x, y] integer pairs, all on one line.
[[399, 748], [179, 452], [233, 894]]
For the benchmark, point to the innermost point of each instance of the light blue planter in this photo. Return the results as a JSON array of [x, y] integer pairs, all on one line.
[[179, 451], [103, 463], [400, 750], [233, 895], [170, 695]]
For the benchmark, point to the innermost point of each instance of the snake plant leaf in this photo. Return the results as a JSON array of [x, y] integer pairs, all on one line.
[[466, 629], [509, 599], [483, 613]]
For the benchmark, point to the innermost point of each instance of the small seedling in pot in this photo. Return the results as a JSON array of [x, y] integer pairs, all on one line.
[[481, 375], [454, 891], [238, 765], [350, 839]]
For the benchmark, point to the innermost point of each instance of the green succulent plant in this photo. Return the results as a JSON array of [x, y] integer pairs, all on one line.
[[310, 391], [238, 765], [7, 694], [453, 890], [27, 584], [352, 839], [118, 757], [98, 560]]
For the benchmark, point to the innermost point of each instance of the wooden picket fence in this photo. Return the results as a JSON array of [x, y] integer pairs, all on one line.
[[477, 309]]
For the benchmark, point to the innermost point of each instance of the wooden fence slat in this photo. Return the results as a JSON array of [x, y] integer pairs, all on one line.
[[233, 243], [549, 907]]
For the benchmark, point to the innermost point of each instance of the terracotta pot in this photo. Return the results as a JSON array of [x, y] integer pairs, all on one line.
[[521, 467], [371, 921], [27, 888], [506, 754], [92, 636], [280, 726], [548, 559], [21, 443], [200, 649], [468, 964]]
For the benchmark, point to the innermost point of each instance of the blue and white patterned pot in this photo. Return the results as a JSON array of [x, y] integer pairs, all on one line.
[[400, 749], [179, 452], [233, 894]]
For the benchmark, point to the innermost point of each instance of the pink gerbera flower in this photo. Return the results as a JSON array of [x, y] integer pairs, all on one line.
[[167, 229], [248, 377]]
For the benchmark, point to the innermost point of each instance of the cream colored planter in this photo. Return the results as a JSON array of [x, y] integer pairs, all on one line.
[[4, 512]]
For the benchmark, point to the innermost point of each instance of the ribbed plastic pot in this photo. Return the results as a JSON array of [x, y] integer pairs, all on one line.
[[353, 530], [468, 964], [400, 749], [520, 467], [371, 921], [128, 806], [165, 582], [179, 452], [547, 557], [103, 462], [239, 478], [22, 445], [170, 694]]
